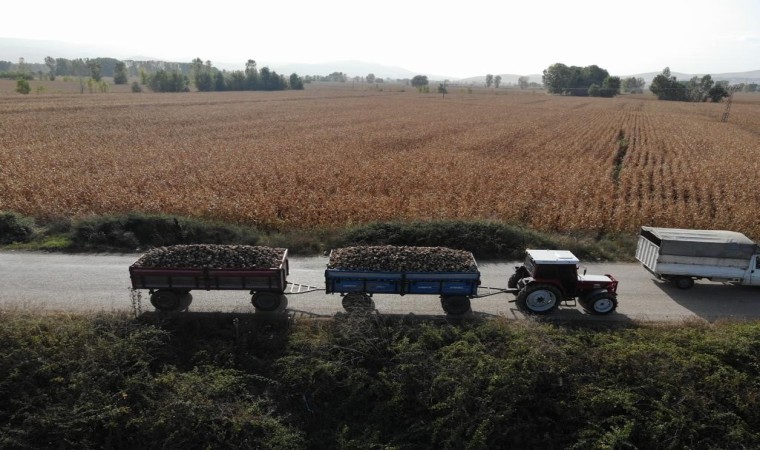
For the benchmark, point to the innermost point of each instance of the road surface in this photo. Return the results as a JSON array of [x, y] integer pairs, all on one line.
[[36, 281]]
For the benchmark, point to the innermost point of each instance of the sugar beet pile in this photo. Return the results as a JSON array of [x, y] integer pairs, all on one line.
[[213, 256], [391, 258]]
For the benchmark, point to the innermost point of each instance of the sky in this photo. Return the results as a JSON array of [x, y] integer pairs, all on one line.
[[456, 39]]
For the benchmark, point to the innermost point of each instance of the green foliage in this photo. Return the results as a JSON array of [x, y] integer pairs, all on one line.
[[15, 228], [22, 86], [420, 81], [164, 81], [367, 381], [135, 231], [120, 73], [580, 81], [136, 88], [490, 240], [108, 382]]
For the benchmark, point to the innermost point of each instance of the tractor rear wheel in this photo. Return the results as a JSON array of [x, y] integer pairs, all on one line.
[[455, 305], [538, 299]]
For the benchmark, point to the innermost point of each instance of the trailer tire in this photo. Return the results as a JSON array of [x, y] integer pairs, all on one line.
[[186, 298], [456, 305], [166, 300], [600, 304], [266, 301], [538, 299], [357, 302], [683, 282]]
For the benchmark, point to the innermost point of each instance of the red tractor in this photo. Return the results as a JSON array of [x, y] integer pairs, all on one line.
[[550, 277]]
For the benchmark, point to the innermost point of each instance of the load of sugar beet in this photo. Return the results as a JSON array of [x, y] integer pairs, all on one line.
[[390, 258], [214, 256]]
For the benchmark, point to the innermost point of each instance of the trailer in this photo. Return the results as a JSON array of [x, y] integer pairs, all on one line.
[[681, 256], [170, 287], [357, 287]]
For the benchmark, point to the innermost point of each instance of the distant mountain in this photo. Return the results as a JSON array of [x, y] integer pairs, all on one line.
[[35, 51], [350, 68]]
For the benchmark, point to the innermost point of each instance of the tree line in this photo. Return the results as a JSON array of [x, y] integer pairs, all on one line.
[[589, 81], [667, 87]]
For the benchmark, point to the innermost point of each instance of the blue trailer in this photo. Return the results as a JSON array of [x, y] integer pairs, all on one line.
[[357, 287]]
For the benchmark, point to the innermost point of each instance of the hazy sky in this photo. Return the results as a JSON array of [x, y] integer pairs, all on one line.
[[459, 39]]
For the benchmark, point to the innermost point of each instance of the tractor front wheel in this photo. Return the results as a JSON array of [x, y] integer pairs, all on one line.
[[600, 304], [538, 299]]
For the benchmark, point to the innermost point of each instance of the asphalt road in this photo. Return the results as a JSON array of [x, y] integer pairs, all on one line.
[[35, 281]]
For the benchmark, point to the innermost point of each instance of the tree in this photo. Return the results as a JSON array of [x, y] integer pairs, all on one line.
[[296, 82], [497, 81], [442, 90], [634, 85], [371, 78], [420, 81], [557, 78], [666, 87], [523, 82], [22, 86], [120, 73], [718, 92], [574, 80], [489, 80], [50, 63], [94, 66], [610, 87]]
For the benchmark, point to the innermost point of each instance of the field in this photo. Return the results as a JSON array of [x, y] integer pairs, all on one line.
[[332, 156]]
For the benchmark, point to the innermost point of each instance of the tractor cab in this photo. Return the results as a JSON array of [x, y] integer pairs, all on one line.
[[557, 267]]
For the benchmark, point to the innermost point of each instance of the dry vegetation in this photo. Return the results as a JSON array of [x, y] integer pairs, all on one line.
[[332, 156]]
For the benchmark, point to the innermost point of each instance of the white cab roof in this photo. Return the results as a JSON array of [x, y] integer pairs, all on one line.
[[553, 257]]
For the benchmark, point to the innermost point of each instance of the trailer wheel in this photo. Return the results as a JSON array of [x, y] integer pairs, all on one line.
[[266, 301], [538, 298], [185, 300], [357, 302], [455, 305], [165, 300], [683, 282], [600, 304]]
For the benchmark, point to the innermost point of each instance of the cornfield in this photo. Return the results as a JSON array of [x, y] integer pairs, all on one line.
[[331, 157]]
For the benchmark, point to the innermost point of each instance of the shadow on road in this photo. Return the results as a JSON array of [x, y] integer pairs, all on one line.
[[715, 301]]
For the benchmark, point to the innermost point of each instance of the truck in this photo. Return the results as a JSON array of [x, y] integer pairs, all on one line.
[[681, 256], [169, 287]]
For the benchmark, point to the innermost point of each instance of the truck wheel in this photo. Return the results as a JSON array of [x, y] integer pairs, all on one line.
[[357, 302], [266, 301], [538, 299], [455, 305], [683, 282], [600, 304], [164, 300]]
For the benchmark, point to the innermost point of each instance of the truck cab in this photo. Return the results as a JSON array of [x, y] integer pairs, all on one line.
[[550, 277]]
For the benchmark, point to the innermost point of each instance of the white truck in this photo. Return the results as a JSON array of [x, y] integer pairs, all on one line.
[[682, 256]]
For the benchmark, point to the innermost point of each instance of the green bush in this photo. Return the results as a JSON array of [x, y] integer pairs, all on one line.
[[485, 239], [135, 231], [15, 228]]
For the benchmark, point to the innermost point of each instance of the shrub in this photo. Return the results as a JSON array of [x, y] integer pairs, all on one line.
[[22, 86], [15, 228], [135, 230]]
